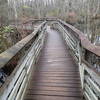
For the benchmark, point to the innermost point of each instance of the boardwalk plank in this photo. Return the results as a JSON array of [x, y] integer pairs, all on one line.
[[56, 75]]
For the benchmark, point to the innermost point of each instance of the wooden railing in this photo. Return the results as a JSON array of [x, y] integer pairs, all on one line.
[[86, 55], [17, 63]]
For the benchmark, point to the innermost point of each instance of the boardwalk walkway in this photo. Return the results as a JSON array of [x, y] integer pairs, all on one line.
[[56, 76]]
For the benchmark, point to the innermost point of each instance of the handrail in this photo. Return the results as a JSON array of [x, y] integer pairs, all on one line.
[[84, 41], [85, 44], [86, 55], [6, 56], [41, 19], [21, 71]]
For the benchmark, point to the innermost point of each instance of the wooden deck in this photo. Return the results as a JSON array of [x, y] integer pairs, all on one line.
[[56, 76]]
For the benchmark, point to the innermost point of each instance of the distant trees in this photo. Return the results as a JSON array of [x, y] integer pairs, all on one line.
[[84, 14], [3, 12]]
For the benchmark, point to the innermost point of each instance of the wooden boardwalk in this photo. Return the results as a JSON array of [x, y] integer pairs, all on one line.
[[56, 76]]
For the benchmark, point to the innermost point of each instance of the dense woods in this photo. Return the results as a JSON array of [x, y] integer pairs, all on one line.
[[83, 14]]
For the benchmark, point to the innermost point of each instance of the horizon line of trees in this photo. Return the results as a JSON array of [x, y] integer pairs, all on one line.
[[83, 14]]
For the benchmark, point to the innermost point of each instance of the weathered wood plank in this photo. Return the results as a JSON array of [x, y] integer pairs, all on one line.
[[56, 76]]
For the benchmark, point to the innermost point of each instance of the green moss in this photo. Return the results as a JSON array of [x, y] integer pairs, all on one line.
[[4, 44]]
